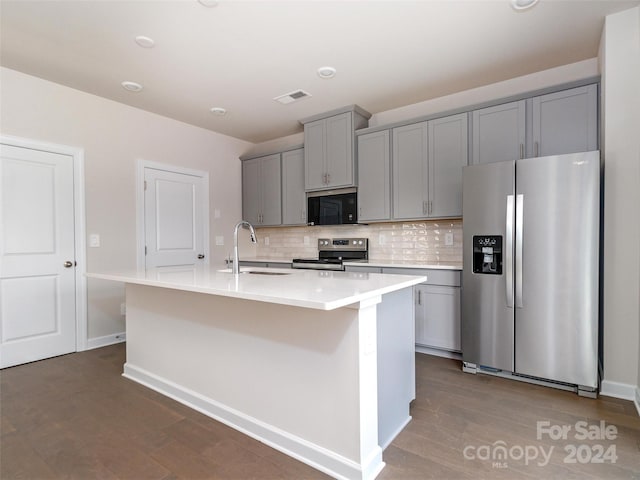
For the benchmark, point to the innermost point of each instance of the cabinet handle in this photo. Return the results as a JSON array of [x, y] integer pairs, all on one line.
[[535, 149], [424, 207], [522, 150], [430, 207], [419, 297], [328, 178]]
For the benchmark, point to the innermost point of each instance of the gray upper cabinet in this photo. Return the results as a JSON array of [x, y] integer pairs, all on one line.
[[448, 153], [374, 176], [294, 201], [410, 171], [551, 124], [329, 150], [261, 190], [328, 147], [565, 121], [499, 133], [427, 168]]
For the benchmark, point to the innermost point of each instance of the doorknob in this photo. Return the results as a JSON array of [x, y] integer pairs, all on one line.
[[200, 256], [68, 264]]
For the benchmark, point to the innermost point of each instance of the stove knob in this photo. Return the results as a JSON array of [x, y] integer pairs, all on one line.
[[359, 242], [354, 242]]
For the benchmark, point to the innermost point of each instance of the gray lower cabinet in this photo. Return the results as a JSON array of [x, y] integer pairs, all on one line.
[[427, 166], [551, 124], [374, 176], [437, 305], [438, 317], [261, 190], [499, 133], [294, 200]]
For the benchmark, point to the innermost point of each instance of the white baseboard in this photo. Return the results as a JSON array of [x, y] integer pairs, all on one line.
[[618, 390], [438, 353], [314, 455], [112, 339]]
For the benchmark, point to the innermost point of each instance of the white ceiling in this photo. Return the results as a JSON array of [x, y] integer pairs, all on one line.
[[241, 54]]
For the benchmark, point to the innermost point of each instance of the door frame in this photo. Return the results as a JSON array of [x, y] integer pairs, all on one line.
[[79, 224], [140, 227]]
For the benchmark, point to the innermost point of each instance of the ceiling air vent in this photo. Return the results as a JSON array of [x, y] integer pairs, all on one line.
[[292, 96]]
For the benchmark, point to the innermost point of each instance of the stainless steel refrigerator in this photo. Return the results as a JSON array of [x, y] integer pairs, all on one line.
[[531, 269]]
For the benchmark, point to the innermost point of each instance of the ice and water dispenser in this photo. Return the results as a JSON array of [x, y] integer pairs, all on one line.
[[487, 254]]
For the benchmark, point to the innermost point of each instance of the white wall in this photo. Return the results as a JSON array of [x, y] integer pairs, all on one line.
[[620, 64], [114, 136], [486, 93]]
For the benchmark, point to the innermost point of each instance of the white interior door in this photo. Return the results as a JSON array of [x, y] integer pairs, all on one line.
[[37, 245], [174, 216]]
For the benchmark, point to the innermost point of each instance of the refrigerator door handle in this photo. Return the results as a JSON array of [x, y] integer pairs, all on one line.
[[519, 221], [509, 252]]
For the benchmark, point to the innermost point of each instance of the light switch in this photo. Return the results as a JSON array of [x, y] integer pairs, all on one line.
[[216, 213], [94, 240], [219, 240]]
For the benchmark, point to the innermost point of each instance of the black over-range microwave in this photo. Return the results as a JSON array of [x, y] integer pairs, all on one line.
[[337, 207]]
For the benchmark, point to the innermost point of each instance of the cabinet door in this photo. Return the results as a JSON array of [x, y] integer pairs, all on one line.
[[314, 155], [410, 171], [448, 153], [294, 204], [374, 177], [271, 190], [339, 150], [499, 133], [565, 122], [438, 317], [251, 195]]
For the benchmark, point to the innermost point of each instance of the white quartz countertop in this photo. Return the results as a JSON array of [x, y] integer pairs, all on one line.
[[372, 263], [323, 290]]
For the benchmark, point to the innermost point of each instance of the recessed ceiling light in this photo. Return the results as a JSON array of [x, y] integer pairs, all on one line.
[[145, 42], [208, 3], [326, 72], [218, 111], [523, 4], [132, 86]]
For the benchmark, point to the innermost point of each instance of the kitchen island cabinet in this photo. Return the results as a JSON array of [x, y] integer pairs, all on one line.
[[319, 365]]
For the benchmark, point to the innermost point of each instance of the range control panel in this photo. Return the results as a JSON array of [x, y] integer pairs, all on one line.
[[360, 244]]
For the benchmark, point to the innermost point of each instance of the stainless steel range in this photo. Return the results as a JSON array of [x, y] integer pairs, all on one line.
[[332, 252]]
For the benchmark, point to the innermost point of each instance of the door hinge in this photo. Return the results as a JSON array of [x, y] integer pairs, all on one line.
[[145, 249]]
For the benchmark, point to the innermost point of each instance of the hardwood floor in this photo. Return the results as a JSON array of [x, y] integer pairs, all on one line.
[[75, 417]]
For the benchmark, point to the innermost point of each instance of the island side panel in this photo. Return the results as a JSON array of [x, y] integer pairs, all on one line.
[[303, 380], [396, 363]]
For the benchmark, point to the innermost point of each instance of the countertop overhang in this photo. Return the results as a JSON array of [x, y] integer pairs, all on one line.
[[322, 290]]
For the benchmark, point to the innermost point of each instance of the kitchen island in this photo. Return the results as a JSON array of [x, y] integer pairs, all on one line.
[[319, 365]]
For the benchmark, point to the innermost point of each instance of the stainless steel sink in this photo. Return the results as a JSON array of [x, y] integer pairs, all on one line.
[[258, 272]]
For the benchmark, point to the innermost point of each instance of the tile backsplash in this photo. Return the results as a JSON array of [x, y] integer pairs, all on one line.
[[418, 241]]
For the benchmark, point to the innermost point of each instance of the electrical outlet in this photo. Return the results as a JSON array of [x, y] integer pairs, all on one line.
[[219, 240], [216, 213], [306, 240], [266, 241], [380, 239], [448, 239], [123, 309]]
